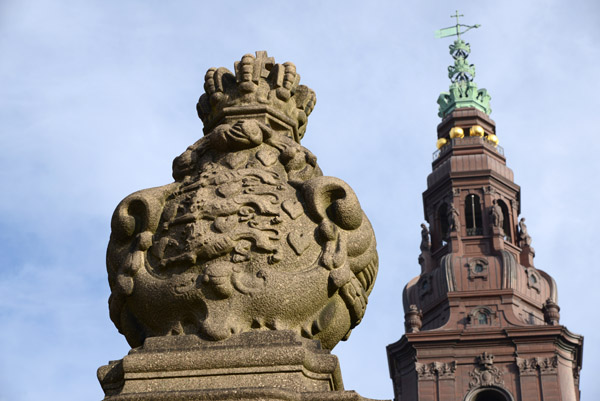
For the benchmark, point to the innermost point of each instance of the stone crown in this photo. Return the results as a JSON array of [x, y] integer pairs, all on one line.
[[259, 89]]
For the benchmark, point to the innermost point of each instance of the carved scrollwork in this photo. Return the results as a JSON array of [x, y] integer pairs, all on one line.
[[478, 269], [548, 365], [533, 279], [429, 371], [527, 367], [425, 371], [486, 374], [533, 366], [446, 370]]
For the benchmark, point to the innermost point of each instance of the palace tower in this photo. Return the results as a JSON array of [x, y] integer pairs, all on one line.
[[482, 321]]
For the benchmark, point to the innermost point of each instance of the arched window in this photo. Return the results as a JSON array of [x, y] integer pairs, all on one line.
[[473, 215], [489, 394], [443, 219], [506, 227], [483, 318]]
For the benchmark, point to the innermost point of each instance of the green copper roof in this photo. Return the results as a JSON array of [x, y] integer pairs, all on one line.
[[463, 91]]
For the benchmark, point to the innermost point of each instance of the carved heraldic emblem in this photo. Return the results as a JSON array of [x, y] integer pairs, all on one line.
[[251, 235]]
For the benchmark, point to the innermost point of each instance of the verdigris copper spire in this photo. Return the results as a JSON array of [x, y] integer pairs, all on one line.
[[463, 90]]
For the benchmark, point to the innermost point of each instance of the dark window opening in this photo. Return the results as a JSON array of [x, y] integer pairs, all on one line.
[[443, 218], [478, 268], [506, 227], [473, 215], [489, 395]]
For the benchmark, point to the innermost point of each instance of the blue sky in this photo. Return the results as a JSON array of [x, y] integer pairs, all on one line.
[[98, 97]]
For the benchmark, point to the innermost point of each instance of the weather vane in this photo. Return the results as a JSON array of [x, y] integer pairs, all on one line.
[[454, 30]]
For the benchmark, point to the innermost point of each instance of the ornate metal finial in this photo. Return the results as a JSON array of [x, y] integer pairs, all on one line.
[[463, 91]]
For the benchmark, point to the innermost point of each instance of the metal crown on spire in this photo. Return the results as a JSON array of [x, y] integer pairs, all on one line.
[[463, 91]]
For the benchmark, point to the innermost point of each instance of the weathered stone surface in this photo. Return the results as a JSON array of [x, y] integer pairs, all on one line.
[[256, 365], [251, 237], [277, 358]]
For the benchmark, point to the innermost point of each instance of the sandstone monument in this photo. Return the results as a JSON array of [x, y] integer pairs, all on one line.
[[235, 280]]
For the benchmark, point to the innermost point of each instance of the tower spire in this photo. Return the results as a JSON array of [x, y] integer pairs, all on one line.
[[463, 90], [482, 321]]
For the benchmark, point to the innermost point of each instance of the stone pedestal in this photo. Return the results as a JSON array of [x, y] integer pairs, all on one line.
[[269, 365]]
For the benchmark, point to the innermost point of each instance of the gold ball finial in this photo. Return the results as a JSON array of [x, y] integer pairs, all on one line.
[[493, 139], [456, 132], [476, 130], [441, 142]]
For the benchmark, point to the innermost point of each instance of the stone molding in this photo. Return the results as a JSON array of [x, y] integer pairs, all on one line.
[[254, 361]]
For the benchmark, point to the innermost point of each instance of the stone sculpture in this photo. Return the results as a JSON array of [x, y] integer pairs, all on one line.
[[251, 236], [453, 219], [425, 242], [524, 237], [496, 215]]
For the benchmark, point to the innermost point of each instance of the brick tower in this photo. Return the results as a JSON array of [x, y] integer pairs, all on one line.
[[482, 321]]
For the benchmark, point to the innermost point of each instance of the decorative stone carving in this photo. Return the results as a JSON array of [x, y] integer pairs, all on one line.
[[531, 366], [486, 374], [524, 237], [548, 365], [446, 370], [496, 215], [533, 279], [478, 269], [251, 235], [425, 241], [527, 367], [425, 371], [551, 312], [453, 219], [489, 190], [456, 192], [576, 375], [413, 319], [429, 371], [482, 316]]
